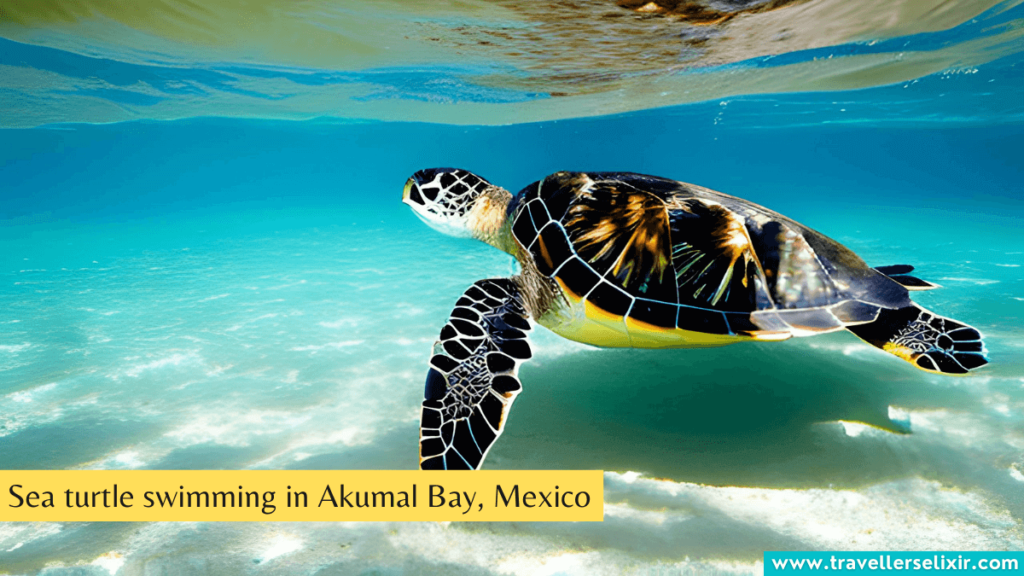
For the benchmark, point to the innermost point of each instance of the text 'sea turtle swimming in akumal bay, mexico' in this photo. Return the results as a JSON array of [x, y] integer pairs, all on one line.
[[628, 260]]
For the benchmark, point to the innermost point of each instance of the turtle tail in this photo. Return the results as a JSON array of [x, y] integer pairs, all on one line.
[[926, 340]]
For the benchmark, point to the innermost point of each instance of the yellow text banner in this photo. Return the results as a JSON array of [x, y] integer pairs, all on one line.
[[301, 495]]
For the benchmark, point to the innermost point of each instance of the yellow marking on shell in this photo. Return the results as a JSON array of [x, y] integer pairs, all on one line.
[[644, 335], [602, 328], [599, 314], [771, 336], [585, 322]]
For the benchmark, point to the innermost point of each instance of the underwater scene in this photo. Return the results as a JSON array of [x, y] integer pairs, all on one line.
[[206, 263]]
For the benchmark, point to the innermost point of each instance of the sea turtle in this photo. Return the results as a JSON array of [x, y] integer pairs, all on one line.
[[627, 260]]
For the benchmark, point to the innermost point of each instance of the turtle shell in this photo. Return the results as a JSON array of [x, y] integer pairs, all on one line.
[[677, 256]]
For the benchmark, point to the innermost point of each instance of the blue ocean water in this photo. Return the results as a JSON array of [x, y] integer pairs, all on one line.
[[231, 293]]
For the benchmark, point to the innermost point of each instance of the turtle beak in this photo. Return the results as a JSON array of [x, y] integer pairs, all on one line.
[[411, 193]]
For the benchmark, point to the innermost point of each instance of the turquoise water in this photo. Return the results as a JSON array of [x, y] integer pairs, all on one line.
[[236, 293]]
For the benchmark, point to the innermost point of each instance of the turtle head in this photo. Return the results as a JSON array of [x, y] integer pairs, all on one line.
[[458, 203]]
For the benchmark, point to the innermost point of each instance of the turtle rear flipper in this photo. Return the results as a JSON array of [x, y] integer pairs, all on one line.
[[472, 380], [927, 341]]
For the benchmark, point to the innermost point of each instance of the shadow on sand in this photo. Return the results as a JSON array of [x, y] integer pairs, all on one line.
[[746, 415]]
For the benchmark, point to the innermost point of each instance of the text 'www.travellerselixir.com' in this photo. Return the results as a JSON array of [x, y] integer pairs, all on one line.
[[858, 562]]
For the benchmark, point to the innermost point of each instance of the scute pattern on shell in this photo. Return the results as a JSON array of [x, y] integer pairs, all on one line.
[[725, 265]]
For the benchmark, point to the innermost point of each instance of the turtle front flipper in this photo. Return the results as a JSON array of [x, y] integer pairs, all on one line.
[[472, 380]]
